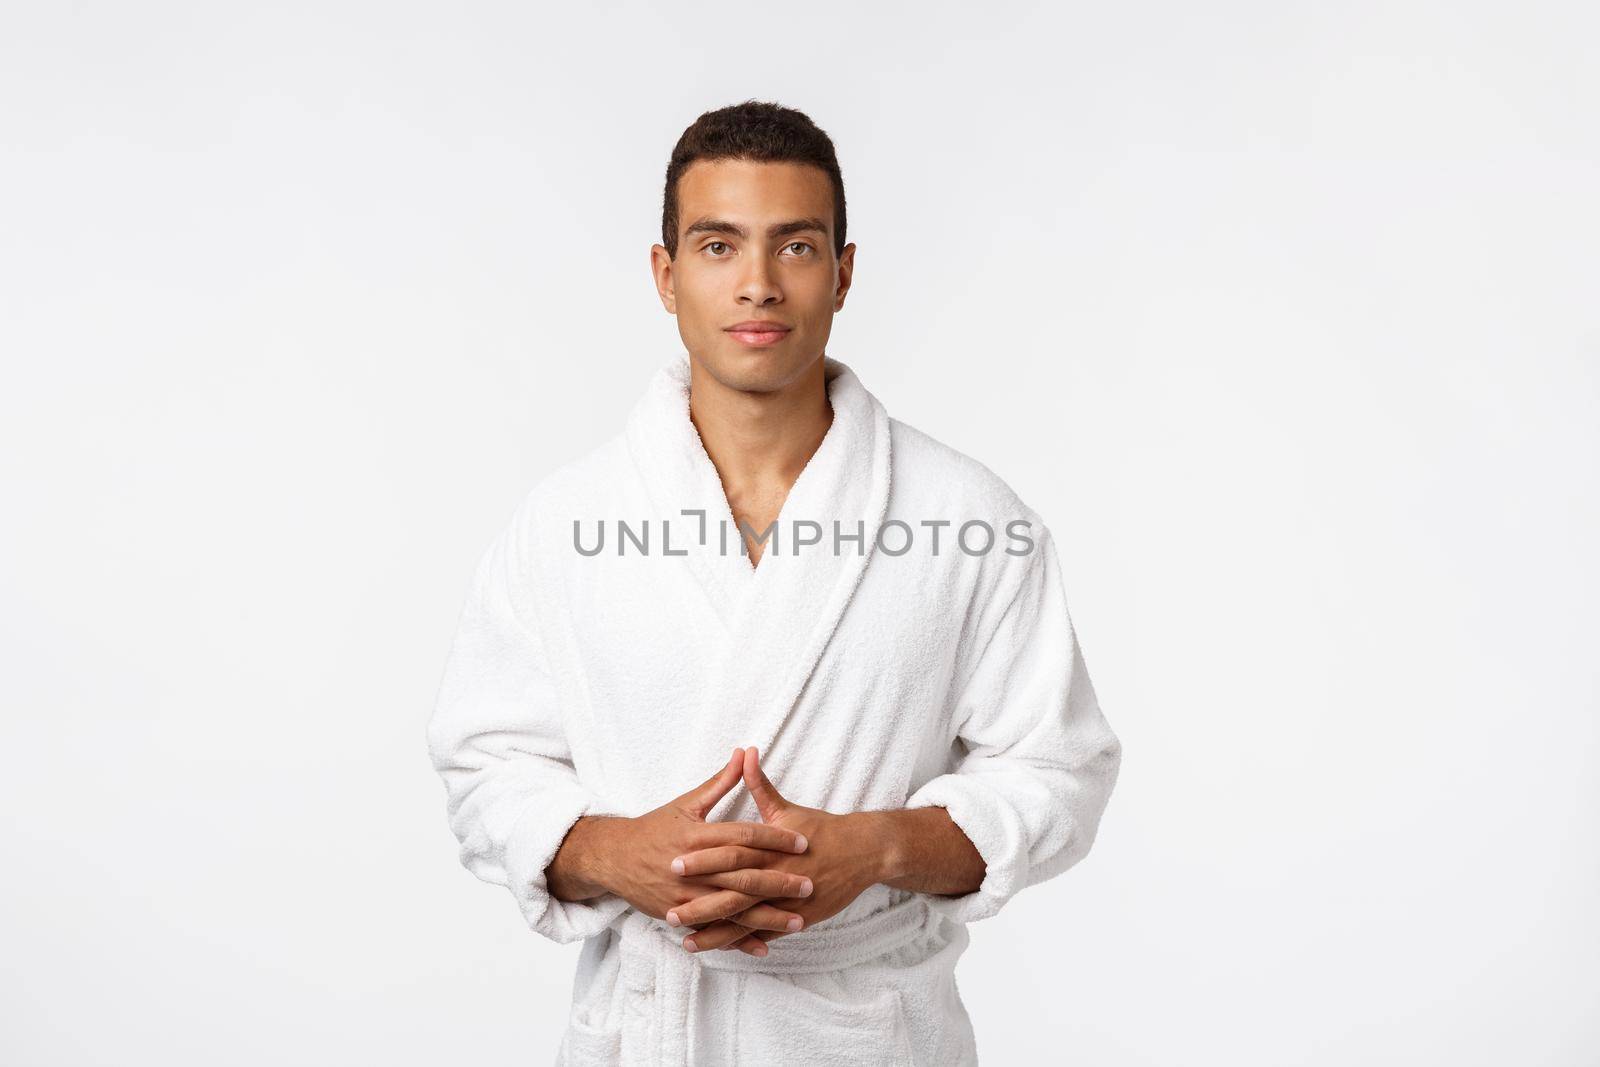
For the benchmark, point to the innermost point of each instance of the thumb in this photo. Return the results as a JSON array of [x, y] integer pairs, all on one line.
[[768, 800], [703, 797]]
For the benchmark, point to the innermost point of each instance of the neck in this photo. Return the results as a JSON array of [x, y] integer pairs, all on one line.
[[760, 441]]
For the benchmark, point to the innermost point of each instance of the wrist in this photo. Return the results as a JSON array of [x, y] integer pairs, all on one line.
[[593, 841], [884, 845]]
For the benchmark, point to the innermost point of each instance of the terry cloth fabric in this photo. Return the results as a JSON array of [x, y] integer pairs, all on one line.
[[877, 659]]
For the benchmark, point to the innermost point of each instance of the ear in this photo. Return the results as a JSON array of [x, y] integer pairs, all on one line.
[[768, 800], [661, 269], [847, 266]]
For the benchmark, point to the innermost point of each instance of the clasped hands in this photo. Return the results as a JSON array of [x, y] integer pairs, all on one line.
[[742, 884]]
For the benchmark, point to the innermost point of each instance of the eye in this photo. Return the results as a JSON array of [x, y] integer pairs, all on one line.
[[715, 244], [798, 244]]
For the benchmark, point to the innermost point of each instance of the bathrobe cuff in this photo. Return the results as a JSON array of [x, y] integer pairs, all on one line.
[[996, 831], [533, 843]]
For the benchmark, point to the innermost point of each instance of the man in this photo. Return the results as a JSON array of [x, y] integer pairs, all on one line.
[[865, 628]]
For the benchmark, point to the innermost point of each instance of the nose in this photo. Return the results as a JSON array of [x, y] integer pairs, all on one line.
[[759, 285]]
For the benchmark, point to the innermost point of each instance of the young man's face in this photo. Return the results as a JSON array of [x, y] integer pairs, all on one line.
[[780, 270]]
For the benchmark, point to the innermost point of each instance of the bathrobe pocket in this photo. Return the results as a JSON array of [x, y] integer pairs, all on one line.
[[783, 1021], [587, 1045]]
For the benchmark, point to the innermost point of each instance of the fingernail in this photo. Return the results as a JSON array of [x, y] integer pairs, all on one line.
[[761, 949], [672, 918], [800, 846], [689, 944], [805, 887], [677, 865], [795, 923]]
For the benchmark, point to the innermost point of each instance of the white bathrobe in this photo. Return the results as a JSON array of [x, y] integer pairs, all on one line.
[[891, 673]]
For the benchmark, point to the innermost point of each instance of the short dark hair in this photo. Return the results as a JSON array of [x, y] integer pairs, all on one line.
[[759, 131]]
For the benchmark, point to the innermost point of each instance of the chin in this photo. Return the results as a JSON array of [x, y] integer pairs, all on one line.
[[753, 370]]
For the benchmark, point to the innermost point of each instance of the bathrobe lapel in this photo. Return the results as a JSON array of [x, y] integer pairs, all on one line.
[[777, 617]]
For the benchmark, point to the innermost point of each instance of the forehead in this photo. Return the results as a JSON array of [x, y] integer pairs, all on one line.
[[741, 190]]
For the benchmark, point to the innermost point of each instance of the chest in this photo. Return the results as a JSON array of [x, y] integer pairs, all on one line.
[[655, 685]]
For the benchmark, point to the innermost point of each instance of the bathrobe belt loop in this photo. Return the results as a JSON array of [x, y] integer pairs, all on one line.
[[660, 977]]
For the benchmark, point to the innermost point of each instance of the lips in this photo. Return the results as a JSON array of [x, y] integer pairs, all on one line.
[[758, 332]]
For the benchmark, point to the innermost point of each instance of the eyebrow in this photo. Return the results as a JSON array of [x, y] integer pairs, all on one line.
[[777, 229]]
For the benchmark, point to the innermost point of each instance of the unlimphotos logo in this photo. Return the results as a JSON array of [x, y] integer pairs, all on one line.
[[894, 537]]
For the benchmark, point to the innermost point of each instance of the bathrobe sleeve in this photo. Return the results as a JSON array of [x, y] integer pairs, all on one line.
[[1040, 759], [497, 740]]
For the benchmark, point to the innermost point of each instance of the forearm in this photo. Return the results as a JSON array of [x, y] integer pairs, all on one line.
[[924, 851], [581, 867]]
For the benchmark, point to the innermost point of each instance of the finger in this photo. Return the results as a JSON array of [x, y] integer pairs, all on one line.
[[745, 930], [703, 797], [709, 908], [760, 883], [756, 937], [714, 936], [768, 800], [749, 944], [767, 917], [748, 834], [718, 859]]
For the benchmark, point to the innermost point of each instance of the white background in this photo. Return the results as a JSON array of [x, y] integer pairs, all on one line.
[[1283, 317]]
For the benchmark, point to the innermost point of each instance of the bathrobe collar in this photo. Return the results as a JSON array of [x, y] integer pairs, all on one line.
[[778, 616]]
